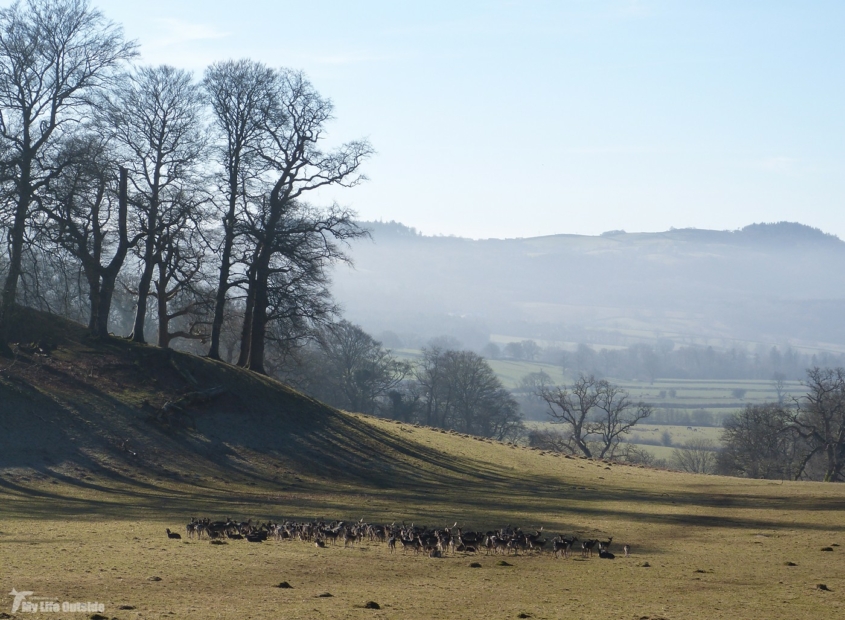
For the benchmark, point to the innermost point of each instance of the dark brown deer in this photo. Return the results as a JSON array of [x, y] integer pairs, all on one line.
[[587, 547], [563, 545]]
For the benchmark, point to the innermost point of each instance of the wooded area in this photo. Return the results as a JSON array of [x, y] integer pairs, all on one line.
[[142, 186]]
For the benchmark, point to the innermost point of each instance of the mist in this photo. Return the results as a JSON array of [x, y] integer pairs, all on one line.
[[766, 285]]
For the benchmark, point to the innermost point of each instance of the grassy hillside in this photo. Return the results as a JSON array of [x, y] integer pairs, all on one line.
[[90, 477]]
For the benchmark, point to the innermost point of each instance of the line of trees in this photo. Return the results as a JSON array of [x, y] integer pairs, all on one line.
[[140, 200], [447, 388], [183, 201], [648, 362], [666, 360]]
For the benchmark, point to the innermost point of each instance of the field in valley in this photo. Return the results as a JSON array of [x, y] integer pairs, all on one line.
[[682, 409]]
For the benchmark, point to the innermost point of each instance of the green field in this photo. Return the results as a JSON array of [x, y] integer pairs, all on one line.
[[676, 402], [688, 393]]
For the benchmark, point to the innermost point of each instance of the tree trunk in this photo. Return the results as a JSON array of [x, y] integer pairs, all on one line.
[[161, 299], [259, 319], [109, 273], [106, 292], [261, 266], [246, 329], [92, 275], [223, 284], [579, 441], [137, 334], [16, 240], [147, 276]]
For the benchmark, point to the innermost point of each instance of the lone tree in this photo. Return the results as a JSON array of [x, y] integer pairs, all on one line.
[[54, 54], [615, 415], [594, 412]]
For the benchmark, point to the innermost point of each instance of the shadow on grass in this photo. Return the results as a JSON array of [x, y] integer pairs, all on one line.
[[264, 449]]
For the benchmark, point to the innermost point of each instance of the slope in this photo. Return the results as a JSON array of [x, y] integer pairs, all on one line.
[[91, 473]]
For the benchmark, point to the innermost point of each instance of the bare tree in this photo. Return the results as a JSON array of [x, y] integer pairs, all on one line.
[[779, 381], [86, 209], [572, 407], [181, 294], [459, 390], [549, 439], [820, 421], [760, 442], [287, 233], [53, 55], [533, 382], [594, 412], [154, 114], [432, 377], [631, 453], [698, 456], [356, 372], [241, 98], [615, 416]]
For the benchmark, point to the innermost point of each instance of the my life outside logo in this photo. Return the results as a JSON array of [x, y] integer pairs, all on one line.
[[26, 603]]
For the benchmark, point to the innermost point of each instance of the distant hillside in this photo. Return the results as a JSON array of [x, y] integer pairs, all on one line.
[[773, 284]]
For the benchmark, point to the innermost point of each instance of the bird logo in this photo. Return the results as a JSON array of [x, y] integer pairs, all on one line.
[[20, 597]]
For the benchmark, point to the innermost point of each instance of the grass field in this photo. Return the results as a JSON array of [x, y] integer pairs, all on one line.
[[83, 516], [716, 547], [650, 437]]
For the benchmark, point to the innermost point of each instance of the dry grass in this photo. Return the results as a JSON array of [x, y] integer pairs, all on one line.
[[716, 547], [82, 518]]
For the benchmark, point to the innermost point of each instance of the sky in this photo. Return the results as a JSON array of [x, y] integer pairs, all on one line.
[[525, 118]]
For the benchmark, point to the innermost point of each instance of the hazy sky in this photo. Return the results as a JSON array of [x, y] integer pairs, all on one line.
[[523, 118]]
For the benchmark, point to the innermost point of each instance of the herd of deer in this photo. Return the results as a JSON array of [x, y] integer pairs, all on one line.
[[434, 542]]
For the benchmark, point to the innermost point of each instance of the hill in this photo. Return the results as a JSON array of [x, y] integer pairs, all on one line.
[[93, 468], [769, 284], [74, 408]]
